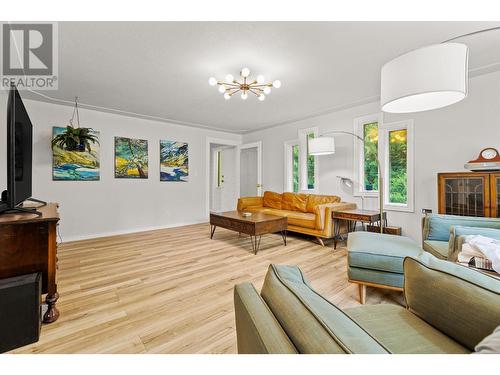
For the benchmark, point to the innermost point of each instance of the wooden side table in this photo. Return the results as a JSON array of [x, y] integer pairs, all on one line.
[[351, 218]]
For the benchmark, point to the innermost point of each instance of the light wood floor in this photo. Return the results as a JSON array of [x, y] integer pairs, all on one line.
[[170, 291]]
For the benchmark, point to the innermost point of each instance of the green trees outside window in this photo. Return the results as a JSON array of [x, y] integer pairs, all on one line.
[[370, 136], [295, 167], [310, 165], [398, 147]]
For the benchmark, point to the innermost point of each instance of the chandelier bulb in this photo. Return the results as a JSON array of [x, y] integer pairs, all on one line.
[[212, 81], [277, 84], [229, 78], [222, 89], [260, 79], [267, 90], [244, 95], [245, 72], [262, 97], [227, 96]]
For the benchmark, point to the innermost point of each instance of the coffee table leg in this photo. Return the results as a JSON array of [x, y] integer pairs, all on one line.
[[255, 243], [212, 231], [283, 235]]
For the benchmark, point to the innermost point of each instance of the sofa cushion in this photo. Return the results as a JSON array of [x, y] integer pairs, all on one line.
[[439, 225], [312, 323], [474, 231], [437, 248], [272, 200], [294, 202], [314, 200], [382, 252], [402, 332], [300, 219]]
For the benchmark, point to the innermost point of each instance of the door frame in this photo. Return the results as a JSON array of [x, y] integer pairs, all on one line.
[[208, 167], [258, 145]]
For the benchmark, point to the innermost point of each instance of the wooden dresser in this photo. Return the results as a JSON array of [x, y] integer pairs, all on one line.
[[28, 244]]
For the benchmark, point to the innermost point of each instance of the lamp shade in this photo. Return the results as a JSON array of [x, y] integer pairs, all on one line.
[[427, 78], [321, 146]]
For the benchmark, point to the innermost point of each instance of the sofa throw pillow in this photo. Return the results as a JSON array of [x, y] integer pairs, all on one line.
[[272, 200], [490, 344], [294, 202]]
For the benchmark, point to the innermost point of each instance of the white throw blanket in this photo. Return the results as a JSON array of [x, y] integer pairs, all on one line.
[[488, 247]]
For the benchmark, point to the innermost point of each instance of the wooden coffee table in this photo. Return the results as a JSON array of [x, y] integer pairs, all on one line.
[[255, 226]]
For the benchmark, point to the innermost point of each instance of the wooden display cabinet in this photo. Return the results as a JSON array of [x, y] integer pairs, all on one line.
[[469, 194]]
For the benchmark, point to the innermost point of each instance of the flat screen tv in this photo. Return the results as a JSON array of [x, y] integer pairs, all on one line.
[[19, 153]]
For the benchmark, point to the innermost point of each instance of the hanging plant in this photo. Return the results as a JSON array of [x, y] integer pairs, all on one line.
[[75, 138]]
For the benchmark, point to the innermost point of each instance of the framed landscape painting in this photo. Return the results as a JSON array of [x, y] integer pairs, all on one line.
[[131, 158], [174, 161], [75, 165]]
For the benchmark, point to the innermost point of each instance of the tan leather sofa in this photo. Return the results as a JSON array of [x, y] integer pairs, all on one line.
[[309, 214]]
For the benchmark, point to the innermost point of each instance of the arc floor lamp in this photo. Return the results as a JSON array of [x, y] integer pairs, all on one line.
[[323, 145]]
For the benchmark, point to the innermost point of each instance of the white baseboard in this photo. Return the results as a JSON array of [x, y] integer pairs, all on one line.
[[128, 231]]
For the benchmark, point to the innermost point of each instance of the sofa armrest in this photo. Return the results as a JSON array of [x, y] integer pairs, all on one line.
[[257, 330], [245, 202], [457, 238], [461, 302], [323, 214]]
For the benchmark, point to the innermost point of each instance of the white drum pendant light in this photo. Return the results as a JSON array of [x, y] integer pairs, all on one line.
[[424, 79]]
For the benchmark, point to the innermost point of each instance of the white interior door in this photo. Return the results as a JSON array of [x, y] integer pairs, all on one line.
[[251, 170], [224, 178]]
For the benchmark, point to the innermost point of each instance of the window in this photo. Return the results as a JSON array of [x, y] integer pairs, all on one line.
[[308, 164], [301, 169], [392, 144], [366, 154], [370, 155], [398, 165], [292, 166]]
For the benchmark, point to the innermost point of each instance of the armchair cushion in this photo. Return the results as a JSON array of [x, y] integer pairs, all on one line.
[[313, 324], [437, 248], [461, 302], [401, 331], [272, 200]]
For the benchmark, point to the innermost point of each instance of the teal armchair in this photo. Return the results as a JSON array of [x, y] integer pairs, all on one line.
[[441, 239], [450, 309]]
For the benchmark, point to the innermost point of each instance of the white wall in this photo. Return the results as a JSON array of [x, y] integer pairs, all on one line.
[[444, 140], [109, 206]]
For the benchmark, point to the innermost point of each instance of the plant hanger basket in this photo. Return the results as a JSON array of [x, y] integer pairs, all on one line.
[[75, 138]]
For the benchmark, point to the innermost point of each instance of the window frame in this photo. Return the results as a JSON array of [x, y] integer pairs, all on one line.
[[410, 170], [359, 151], [303, 155], [288, 161]]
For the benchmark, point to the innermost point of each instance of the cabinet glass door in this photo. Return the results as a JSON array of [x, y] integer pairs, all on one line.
[[465, 195]]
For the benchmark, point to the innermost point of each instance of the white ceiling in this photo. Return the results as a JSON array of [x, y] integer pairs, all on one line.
[[161, 69]]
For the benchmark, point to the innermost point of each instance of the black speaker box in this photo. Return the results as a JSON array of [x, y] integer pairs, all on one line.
[[20, 311]]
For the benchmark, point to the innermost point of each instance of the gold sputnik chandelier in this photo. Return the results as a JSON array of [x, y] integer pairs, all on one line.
[[245, 85]]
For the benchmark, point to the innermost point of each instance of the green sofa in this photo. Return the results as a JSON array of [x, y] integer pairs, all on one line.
[[451, 308], [439, 236]]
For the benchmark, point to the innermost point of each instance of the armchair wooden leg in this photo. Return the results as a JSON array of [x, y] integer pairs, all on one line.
[[320, 240], [362, 293]]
